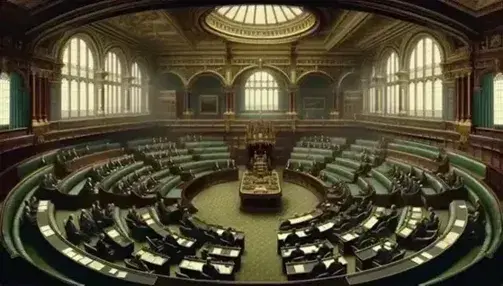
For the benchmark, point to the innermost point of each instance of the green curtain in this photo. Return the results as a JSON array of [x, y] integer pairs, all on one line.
[[483, 103], [19, 105]]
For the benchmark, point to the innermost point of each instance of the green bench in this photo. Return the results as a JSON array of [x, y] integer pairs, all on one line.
[[471, 165], [316, 151], [359, 148], [169, 185], [202, 150], [432, 155], [36, 162], [214, 156], [197, 164], [296, 163], [417, 144], [348, 163], [66, 186], [111, 179], [491, 207], [12, 209], [367, 143], [204, 144], [384, 183], [309, 157], [178, 159], [138, 142], [346, 173]]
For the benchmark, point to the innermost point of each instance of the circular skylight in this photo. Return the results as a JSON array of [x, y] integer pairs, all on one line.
[[260, 14], [260, 24]]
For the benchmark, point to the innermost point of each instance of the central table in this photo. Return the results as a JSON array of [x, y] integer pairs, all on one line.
[[260, 192]]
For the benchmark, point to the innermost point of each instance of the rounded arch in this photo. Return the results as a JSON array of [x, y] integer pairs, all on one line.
[[90, 41], [315, 72], [411, 43], [176, 75], [143, 64], [212, 73], [285, 78], [382, 57], [346, 75], [121, 54]]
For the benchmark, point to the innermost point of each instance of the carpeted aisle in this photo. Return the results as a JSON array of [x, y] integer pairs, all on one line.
[[220, 205]]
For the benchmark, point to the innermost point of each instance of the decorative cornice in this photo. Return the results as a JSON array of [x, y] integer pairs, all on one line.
[[344, 28]]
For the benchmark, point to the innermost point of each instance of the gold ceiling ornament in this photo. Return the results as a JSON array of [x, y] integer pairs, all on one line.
[[260, 24]]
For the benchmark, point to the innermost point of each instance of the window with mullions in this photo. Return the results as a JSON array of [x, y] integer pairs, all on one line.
[[498, 99], [425, 87], [261, 92], [392, 87], [113, 85], [77, 83], [139, 91], [4, 99]]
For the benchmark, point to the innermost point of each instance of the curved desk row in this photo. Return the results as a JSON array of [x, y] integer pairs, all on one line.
[[305, 180]]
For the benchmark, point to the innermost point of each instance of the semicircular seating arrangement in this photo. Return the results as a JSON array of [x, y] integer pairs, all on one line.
[[120, 212]]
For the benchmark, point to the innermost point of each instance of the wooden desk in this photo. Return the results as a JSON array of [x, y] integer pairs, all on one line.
[[225, 253], [302, 270], [195, 266]]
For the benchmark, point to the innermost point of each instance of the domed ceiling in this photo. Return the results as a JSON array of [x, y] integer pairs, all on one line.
[[260, 24]]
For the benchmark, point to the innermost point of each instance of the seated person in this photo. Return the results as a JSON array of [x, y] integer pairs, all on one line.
[[96, 211], [137, 261], [323, 249], [170, 240], [433, 220], [383, 255], [29, 214], [87, 223], [319, 267], [204, 254], [292, 238], [209, 269], [228, 236], [72, 232], [297, 252], [103, 247], [134, 217], [335, 266], [109, 212], [89, 187], [313, 231]]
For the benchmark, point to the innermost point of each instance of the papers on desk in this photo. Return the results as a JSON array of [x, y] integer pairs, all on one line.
[[442, 244], [348, 237], [121, 274], [451, 237], [96, 265], [342, 260], [326, 226], [220, 231], [42, 207], [406, 231], [112, 271], [417, 260], [459, 223], [149, 221], [223, 269], [46, 230], [184, 242], [299, 268], [192, 265], [301, 219], [145, 216], [416, 215], [328, 262], [380, 210], [216, 251], [77, 257], [412, 222], [85, 260], [417, 210], [234, 253], [113, 233], [370, 222]]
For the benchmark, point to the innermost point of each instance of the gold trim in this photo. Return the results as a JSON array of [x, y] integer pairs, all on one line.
[[285, 32]]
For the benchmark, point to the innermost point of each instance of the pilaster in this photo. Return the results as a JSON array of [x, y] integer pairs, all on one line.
[[403, 81]]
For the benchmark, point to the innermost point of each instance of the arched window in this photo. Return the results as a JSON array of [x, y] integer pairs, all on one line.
[[372, 93], [139, 91], [4, 99], [425, 87], [113, 85], [261, 92], [392, 87], [77, 83], [498, 99]]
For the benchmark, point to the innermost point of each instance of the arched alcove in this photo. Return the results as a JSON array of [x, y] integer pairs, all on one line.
[[207, 96], [170, 82], [14, 100], [315, 96], [276, 86], [350, 95]]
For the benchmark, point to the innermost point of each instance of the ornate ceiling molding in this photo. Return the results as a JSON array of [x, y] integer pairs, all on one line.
[[347, 24], [285, 32]]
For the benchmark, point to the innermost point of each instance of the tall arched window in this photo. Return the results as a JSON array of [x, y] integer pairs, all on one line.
[[498, 99], [425, 87], [372, 94], [77, 83], [139, 91], [392, 87], [261, 92], [4, 99], [113, 85]]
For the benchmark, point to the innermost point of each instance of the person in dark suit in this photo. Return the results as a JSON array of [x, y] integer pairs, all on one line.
[[323, 249], [209, 269], [383, 255], [433, 220], [136, 260], [204, 254], [133, 216], [319, 267], [169, 239], [228, 236], [87, 224], [72, 232], [292, 238], [297, 252], [102, 246], [313, 231]]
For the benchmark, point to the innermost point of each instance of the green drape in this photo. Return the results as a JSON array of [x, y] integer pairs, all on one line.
[[483, 103], [19, 104]]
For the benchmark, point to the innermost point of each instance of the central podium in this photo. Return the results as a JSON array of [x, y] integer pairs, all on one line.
[[260, 188]]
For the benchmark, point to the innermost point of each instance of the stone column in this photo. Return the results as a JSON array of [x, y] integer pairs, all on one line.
[[34, 90], [403, 81], [292, 92], [458, 98], [364, 84], [128, 101], [229, 103], [55, 96], [450, 102], [469, 89], [100, 88], [335, 110], [187, 114], [47, 97]]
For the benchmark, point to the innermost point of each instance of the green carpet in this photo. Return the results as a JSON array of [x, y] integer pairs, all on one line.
[[220, 204]]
